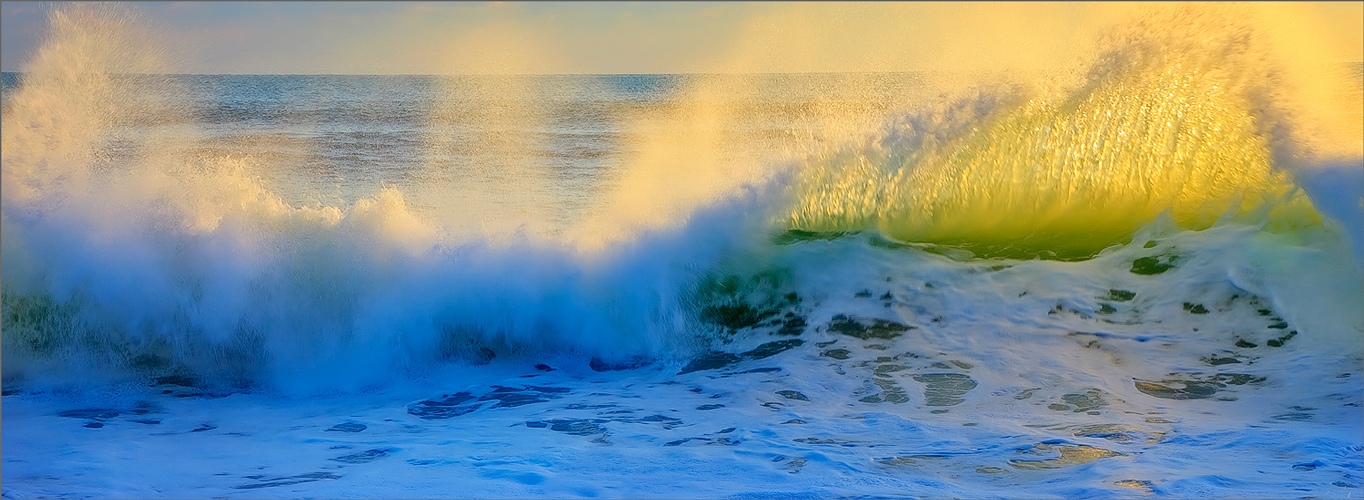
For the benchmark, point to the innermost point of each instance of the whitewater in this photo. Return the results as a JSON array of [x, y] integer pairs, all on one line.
[[1140, 279]]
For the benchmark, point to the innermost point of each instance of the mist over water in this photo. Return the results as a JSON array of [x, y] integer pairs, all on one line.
[[1112, 263]]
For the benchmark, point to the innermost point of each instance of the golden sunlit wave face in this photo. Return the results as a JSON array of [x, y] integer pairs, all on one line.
[[1190, 111], [1177, 120]]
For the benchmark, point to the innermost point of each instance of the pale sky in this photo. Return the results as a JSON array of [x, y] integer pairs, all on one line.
[[624, 37]]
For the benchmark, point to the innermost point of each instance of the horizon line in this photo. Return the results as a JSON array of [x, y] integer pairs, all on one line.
[[701, 73], [530, 74]]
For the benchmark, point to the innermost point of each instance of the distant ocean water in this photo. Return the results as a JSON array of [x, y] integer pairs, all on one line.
[[795, 285]]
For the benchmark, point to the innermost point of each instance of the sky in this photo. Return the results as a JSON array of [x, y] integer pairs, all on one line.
[[624, 37]]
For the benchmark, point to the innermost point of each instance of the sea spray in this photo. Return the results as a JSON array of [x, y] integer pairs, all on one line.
[[184, 263]]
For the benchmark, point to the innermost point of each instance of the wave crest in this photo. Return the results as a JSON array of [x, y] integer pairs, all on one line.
[[1179, 120]]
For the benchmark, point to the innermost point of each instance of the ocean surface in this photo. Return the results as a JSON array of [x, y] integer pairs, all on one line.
[[676, 286]]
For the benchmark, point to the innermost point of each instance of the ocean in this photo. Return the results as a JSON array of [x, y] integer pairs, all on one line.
[[1133, 283]]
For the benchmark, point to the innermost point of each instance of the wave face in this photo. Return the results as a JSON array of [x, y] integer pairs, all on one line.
[[1161, 124], [336, 229]]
